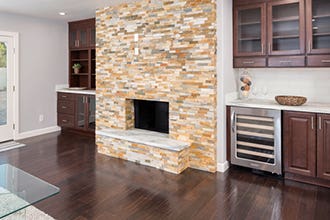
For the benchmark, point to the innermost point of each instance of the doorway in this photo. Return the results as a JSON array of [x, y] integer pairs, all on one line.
[[7, 89]]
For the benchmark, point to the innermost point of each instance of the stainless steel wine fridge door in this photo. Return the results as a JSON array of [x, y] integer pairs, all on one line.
[[256, 138]]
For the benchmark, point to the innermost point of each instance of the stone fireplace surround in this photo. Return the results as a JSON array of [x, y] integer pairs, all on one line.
[[176, 64]]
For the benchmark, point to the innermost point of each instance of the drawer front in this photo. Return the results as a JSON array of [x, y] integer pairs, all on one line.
[[249, 62], [64, 120], [64, 96], [66, 107], [318, 60], [286, 61]]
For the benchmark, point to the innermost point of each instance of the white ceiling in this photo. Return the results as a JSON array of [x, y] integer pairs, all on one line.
[[75, 9]]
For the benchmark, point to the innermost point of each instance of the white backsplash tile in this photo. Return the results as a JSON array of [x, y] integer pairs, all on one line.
[[314, 83]]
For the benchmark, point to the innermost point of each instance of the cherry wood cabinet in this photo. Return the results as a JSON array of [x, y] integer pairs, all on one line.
[[306, 147], [82, 33], [82, 51], [250, 30], [299, 143], [286, 27], [76, 111], [323, 147], [281, 33], [85, 112]]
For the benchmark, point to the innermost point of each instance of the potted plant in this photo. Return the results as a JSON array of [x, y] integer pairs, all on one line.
[[76, 67]]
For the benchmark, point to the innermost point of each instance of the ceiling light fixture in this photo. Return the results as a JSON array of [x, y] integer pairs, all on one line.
[[62, 13]]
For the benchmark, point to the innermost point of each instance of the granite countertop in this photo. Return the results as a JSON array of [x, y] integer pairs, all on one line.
[[272, 104], [80, 91]]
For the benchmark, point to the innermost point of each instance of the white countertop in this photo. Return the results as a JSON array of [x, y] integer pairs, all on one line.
[[82, 91], [272, 104]]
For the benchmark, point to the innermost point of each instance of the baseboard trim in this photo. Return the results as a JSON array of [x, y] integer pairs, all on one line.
[[222, 167], [37, 132]]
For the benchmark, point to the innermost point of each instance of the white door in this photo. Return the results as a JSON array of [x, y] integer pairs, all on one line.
[[6, 88]]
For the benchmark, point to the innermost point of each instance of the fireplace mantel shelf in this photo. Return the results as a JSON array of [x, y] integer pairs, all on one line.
[[151, 138]]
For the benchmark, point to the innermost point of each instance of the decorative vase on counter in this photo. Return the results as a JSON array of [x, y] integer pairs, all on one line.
[[245, 84]]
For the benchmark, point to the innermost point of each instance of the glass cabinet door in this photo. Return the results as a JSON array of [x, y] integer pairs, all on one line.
[[249, 30], [91, 112], [318, 26], [286, 27], [83, 42], [80, 111], [73, 38]]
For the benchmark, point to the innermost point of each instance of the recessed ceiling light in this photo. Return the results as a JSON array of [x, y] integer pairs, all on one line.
[[62, 13]]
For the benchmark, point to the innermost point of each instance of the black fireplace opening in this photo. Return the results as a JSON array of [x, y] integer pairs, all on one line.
[[151, 115]]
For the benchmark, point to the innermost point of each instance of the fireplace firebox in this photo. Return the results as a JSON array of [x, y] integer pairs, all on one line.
[[151, 115]]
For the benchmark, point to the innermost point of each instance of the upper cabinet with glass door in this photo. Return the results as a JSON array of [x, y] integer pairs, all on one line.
[[318, 32], [82, 34], [250, 35], [286, 27]]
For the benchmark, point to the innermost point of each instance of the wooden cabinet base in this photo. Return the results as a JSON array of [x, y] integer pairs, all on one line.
[[305, 179], [77, 131]]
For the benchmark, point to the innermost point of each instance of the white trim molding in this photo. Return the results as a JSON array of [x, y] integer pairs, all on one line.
[[37, 132], [222, 167]]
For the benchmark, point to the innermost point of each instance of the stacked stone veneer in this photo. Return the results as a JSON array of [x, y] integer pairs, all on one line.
[[171, 161], [176, 64]]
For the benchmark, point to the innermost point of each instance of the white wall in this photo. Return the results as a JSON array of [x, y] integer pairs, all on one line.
[[225, 73], [43, 63]]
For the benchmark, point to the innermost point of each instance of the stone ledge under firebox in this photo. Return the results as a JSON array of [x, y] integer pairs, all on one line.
[[144, 147], [150, 138]]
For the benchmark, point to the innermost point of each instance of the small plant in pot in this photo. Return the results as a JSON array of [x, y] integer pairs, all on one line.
[[76, 67]]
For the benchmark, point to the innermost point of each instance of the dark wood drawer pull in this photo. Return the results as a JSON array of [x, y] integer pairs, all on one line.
[[248, 62], [325, 61]]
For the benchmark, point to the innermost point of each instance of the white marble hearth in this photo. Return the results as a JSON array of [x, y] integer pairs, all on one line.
[[150, 138]]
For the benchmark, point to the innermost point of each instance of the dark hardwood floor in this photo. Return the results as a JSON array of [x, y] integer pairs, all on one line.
[[95, 186]]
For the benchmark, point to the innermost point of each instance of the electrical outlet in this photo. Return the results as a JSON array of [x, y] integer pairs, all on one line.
[[41, 118]]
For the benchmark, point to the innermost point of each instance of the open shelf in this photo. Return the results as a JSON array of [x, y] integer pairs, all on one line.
[[79, 60], [286, 19], [322, 34], [250, 23], [79, 74], [249, 38], [285, 36], [321, 16]]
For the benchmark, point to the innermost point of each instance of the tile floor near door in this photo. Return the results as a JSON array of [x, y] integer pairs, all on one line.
[[95, 186]]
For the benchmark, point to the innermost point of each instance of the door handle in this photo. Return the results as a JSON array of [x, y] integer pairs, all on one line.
[[320, 123], [312, 123], [233, 121]]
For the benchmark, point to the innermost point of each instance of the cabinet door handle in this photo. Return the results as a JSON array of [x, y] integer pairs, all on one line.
[[325, 61], [64, 96], [65, 121], [78, 42], [270, 48], [310, 46], [262, 48], [320, 123], [248, 62], [64, 107], [312, 123]]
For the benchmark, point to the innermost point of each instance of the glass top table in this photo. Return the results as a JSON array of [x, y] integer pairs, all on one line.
[[19, 189]]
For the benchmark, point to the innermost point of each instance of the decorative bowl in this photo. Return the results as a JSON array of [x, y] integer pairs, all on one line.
[[290, 100]]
